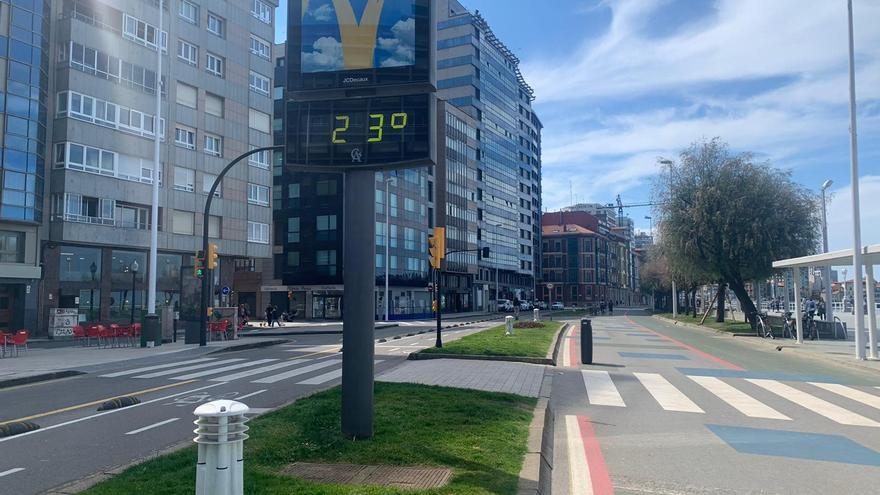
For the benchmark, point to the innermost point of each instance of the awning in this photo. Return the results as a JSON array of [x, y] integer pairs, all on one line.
[[871, 256]]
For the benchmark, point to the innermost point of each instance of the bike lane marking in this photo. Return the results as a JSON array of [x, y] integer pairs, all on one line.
[[588, 474], [150, 427]]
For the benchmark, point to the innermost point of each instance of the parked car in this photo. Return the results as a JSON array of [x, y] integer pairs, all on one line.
[[525, 306], [505, 305], [558, 306], [541, 305]]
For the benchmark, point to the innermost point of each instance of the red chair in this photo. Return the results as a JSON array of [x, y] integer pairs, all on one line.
[[136, 330], [79, 333], [18, 341], [124, 332], [92, 332], [106, 334], [3, 341]]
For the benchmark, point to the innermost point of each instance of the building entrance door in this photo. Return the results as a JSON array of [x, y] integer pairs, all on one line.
[[11, 298], [327, 307]]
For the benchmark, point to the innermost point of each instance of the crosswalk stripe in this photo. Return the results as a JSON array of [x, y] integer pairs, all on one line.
[[156, 367], [741, 401], [297, 372], [188, 368], [851, 393], [326, 377], [600, 389], [261, 370], [215, 371], [815, 404], [665, 393]]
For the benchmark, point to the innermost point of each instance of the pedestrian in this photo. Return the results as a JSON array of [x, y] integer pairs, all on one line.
[[610, 307], [269, 313], [516, 308], [820, 309]]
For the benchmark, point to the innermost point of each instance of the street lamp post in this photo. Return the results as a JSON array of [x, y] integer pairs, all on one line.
[[93, 268], [826, 270], [497, 280], [388, 182], [854, 173], [134, 270], [651, 228]]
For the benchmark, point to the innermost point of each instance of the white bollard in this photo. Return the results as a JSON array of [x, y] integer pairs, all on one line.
[[536, 314], [508, 323], [220, 436]]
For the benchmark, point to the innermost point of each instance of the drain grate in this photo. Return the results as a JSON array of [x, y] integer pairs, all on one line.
[[359, 474]]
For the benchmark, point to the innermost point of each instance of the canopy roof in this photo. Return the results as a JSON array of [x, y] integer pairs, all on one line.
[[871, 256]]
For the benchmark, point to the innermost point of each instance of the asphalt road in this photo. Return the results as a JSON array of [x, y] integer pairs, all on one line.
[[671, 410], [75, 441]]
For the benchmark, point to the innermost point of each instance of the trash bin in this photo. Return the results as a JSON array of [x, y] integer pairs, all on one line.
[[586, 341], [151, 332]]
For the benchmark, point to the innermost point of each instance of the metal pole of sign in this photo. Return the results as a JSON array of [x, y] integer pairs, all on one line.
[[439, 342], [359, 278]]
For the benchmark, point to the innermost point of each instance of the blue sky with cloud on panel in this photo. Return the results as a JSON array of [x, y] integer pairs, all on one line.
[[620, 83]]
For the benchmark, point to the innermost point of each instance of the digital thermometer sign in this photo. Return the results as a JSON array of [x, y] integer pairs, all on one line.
[[376, 132]]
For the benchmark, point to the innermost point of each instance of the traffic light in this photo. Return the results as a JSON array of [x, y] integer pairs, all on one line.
[[437, 246], [484, 253], [211, 260], [199, 267], [433, 305]]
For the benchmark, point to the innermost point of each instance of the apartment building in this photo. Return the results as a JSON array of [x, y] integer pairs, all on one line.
[[216, 104]]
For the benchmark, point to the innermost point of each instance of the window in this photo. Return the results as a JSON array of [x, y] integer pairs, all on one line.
[[214, 64], [188, 52], [259, 121], [293, 229], [184, 179], [11, 247], [188, 11], [214, 227], [293, 191], [410, 238], [260, 159], [293, 258], [326, 262], [260, 47], [409, 204], [327, 227], [106, 113], [326, 187], [185, 136], [216, 24], [214, 104], [182, 222], [208, 181], [260, 83], [76, 156], [258, 195], [213, 145], [187, 95], [261, 11], [258, 232], [139, 31]]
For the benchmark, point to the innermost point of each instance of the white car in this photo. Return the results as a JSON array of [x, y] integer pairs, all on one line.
[[557, 306]]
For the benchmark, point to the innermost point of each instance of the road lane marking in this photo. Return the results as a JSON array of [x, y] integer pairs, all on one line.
[[665, 393], [150, 427], [693, 349], [298, 371], [11, 471], [247, 396], [156, 367], [112, 411], [600, 389], [815, 404], [587, 468], [188, 368], [739, 400], [850, 393], [95, 402], [214, 371], [257, 371], [326, 377]]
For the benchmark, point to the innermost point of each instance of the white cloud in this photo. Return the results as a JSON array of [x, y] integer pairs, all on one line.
[[327, 55], [401, 48], [323, 12], [840, 224]]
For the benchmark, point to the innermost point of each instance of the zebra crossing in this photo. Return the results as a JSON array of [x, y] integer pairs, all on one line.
[[313, 370], [736, 393]]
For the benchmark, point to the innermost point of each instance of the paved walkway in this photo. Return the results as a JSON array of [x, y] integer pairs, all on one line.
[[491, 376], [39, 361]]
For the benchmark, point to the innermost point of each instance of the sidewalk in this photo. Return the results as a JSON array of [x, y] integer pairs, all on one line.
[[39, 364]]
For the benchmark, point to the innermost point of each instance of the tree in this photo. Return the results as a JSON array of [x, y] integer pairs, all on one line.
[[726, 218]]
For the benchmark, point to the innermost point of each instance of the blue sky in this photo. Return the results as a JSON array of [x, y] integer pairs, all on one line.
[[620, 83]]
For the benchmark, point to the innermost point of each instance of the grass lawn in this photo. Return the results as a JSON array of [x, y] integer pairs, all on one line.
[[481, 436], [727, 326], [525, 342]]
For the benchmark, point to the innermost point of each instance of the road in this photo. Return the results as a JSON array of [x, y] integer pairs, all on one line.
[[75, 440], [672, 410]]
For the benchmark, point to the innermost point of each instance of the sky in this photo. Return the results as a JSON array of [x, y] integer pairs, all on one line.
[[620, 84]]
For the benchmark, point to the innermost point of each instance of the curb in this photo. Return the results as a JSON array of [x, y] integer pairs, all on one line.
[[45, 377], [254, 345], [535, 477], [772, 344], [417, 356], [554, 354]]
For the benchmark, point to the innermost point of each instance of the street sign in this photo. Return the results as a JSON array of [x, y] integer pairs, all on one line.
[[62, 321], [225, 290]]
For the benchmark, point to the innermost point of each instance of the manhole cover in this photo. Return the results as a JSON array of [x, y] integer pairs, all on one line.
[[359, 474]]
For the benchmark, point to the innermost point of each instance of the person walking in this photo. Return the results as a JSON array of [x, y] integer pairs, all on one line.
[[269, 315], [610, 307]]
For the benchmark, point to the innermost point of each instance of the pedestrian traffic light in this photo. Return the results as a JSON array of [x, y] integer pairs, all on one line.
[[211, 259], [199, 267], [433, 305], [437, 246]]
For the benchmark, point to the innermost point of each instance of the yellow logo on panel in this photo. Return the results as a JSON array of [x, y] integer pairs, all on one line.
[[358, 38]]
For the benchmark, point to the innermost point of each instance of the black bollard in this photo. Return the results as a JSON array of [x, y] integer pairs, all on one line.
[[586, 341]]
